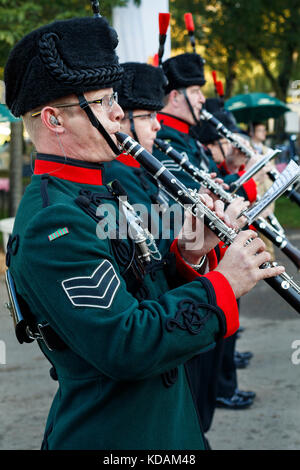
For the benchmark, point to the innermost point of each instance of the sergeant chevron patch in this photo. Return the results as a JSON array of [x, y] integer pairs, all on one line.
[[97, 290], [171, 165]]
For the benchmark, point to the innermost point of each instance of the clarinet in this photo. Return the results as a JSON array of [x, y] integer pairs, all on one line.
[[224, 132], [292, 193], [203, 178], [191, 201]]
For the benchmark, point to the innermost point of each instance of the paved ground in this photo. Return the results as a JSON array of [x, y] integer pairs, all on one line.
[[273, 422]]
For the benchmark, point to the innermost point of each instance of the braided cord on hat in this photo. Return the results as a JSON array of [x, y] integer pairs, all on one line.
[[55, 65]]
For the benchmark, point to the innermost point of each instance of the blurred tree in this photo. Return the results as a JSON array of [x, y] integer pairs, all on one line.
[[237, 34], [22, 16]]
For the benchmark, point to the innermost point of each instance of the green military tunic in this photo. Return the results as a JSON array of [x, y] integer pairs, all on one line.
[[122, 383]]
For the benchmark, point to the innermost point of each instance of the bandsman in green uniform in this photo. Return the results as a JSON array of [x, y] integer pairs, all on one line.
[[115, 331], [181, 114]]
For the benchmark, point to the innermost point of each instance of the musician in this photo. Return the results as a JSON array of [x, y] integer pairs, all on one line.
[[181, 113], [117, 354], [140, 95]]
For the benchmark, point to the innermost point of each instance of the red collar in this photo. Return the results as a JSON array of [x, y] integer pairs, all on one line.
[[223, 166], [174, 122], [77, 171], [128, 160]]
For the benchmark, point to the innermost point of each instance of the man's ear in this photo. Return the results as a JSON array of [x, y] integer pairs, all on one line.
[[52, 120]]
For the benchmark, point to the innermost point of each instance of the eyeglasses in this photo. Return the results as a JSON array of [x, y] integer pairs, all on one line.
[[106, 102], [151, 116]]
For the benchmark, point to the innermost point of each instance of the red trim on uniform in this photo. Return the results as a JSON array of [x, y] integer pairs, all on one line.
[[224, 294], [250, 188], [223, 166], [222, 249], [175, 123], [185, 269], [212, 260], [225, 300], [182, 267], [128, 160], [64, 171]]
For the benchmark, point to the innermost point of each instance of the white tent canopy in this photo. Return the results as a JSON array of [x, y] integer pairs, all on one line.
[[138, 30]]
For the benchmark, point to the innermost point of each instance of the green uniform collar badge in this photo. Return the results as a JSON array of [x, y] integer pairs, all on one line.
[[59, 233]]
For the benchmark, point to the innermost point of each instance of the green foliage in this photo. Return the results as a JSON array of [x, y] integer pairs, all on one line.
[[239, 36], [22, 16], [287, 213], [250, 44]]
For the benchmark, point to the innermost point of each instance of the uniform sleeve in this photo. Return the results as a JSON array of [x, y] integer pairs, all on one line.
[[74, 283], [223, 294]]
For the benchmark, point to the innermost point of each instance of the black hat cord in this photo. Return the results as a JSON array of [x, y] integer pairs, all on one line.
[[197, 121], [221, 148], [97, 124], [132, 127]]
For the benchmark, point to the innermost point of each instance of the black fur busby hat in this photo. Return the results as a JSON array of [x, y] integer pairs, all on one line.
[[206, 133], [184, 70], [213, 105], [142, 87], [59, 59]]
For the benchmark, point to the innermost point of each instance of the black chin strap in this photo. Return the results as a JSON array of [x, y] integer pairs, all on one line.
[[132, 128], [221, 148], [96, 123], [197, 121]]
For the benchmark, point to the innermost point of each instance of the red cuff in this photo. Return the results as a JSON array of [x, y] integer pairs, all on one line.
[[225, 300], [222, 249], [182, 267], [223, 166], [224, 293], [185, 269], [212, 260], [250, 188]]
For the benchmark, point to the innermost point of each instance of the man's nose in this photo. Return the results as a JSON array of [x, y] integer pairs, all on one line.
[[156, 125], [202, 98], [117, 113]]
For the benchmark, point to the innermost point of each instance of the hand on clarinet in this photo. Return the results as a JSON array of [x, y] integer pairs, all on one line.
[[196, 240], [242, 260]]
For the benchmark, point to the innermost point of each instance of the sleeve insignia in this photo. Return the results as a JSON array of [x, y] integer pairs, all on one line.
[[171, 165], [97, 290]]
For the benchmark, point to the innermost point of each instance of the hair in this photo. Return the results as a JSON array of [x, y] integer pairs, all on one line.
[[252, 127], [33, 124]]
